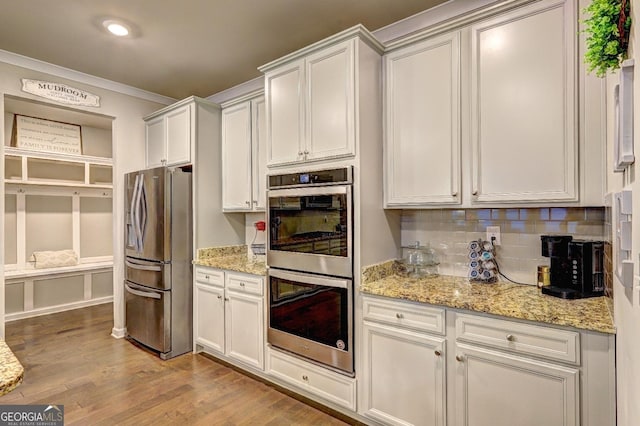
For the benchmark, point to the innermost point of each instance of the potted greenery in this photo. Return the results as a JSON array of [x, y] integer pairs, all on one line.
[[607, 31]]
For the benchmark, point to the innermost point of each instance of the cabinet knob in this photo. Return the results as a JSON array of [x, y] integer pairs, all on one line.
[[255, 201], [219, 297], [248, 203], [241, 284], [226, 299], [454, 193], [475, 192], [206, 277], [511, 337], [306, 152], [300, 153], [399, 315], [305, 378], [437, 352], [459, 358]]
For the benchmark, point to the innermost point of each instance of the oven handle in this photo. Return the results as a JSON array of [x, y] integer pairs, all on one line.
[[305, 192], [143, 293], [309, 278]]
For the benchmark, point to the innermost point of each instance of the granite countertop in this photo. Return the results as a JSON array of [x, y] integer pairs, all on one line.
[[11, 371], [231, 258], [504, 299]]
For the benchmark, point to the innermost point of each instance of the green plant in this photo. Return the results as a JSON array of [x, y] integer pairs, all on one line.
[[608, 29]]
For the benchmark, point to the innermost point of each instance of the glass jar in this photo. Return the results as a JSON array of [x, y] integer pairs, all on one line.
[[420, 261]]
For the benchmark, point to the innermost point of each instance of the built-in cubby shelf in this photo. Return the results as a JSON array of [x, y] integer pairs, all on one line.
[[51, 169]]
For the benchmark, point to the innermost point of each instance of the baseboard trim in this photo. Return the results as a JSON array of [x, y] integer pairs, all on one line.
[[118, 333], [58, 308]]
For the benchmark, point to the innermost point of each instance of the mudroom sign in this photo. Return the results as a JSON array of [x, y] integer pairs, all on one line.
[[60, 93]]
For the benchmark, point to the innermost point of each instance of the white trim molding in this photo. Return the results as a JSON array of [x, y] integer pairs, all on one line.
[[62, 72]]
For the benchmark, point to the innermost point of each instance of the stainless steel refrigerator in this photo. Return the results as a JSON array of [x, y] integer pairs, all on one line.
[[158, 253]]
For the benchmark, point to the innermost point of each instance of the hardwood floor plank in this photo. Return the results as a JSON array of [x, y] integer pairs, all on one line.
[[71, 359]]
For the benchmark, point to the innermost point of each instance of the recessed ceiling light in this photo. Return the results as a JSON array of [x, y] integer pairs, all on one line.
[[116, 28]]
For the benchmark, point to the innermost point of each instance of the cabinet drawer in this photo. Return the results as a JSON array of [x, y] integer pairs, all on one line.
[[404, 314], [244, 283], [210, 276], [544, 342], [329, 385]]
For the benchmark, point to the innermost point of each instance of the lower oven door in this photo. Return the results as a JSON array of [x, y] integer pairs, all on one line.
[[148, 313], [312, 316]]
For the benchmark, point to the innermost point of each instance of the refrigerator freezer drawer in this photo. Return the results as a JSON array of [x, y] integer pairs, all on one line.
[[148, 274], [148, 314]]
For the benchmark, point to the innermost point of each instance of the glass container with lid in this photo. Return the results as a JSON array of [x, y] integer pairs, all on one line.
[[420, 261]]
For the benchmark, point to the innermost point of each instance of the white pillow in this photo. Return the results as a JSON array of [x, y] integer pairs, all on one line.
[[54, 259]]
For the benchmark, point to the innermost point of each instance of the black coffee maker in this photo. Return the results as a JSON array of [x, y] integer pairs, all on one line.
[[577, 269]]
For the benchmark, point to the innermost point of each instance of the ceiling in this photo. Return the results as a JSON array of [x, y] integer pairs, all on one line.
[[183, 48]]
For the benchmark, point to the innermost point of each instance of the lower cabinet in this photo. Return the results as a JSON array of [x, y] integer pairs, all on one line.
[[497, 389], [427, 365], [229, 315], [404, 376], [318, 381]]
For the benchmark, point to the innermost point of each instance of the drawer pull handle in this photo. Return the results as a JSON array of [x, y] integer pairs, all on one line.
[[305, 378], [511, 337], [459, 358], [241, 284], [438, 353], [206, 277], [399, 316]]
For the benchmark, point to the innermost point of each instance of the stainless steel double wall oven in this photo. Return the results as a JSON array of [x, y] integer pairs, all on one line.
[[310, 258]]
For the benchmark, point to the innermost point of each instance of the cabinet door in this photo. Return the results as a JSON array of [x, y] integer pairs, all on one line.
[[179, 136], [209, 313], [244, 328], [330, 97], [496, 389], [285, 115], [422, 135], [155, 142], [236, 157], [404, 376], [523, 114], [259, 153]]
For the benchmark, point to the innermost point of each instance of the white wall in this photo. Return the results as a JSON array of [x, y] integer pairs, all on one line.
[[127, 111], [627, 301]]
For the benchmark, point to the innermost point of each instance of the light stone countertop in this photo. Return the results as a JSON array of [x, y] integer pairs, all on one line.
[[11, 371], [504, 299], [230, 258]]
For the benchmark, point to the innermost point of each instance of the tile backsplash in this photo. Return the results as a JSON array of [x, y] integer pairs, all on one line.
[[449, 232]]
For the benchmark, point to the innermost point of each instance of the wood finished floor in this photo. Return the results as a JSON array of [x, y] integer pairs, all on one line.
[[71, 359]]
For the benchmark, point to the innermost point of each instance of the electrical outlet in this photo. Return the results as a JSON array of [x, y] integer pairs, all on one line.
[[493, 232]]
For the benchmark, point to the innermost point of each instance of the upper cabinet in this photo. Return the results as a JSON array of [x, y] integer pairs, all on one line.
[[422, 123], [494, 113], [523, 105], [169, 134], [244, 154], [311, 99]]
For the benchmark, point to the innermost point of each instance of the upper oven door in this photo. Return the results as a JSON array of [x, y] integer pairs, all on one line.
[[310, 229]]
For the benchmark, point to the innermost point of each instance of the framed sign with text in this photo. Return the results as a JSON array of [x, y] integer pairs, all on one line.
[[42, 135]]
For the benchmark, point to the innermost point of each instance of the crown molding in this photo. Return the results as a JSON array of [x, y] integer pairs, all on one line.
[[62, 72], [235, 92]]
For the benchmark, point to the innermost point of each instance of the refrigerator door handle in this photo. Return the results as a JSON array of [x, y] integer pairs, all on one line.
[[143, 212], [142, 267], [136, 204], [143, 293], [134, 221]]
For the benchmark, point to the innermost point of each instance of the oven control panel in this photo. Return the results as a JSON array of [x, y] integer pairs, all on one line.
[[339, 176]]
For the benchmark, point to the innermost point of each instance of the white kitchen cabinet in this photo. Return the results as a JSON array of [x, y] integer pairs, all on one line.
[[496, 113], [209, 308], [244, 155], [312, 379], [523, 105], [404, 376], [498, 389], [311, 101], [229, 315], [422, 117], [171, 133]]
